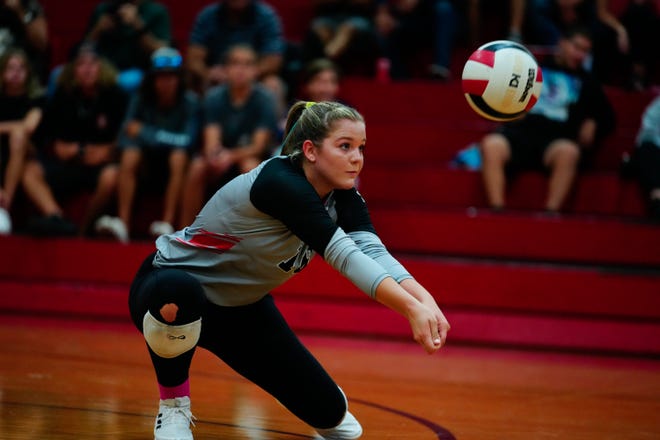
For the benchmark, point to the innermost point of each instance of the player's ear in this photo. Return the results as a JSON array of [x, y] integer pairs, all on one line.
[[309, 150]]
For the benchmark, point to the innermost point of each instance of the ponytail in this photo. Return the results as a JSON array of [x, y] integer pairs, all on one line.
[[312, 121]]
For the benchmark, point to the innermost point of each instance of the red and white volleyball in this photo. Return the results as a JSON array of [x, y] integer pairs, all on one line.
[[502, 80]]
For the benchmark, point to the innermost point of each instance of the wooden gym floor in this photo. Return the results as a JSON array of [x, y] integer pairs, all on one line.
[[84, 380]]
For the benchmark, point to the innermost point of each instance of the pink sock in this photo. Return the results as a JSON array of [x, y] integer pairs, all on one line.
[[177, 391]]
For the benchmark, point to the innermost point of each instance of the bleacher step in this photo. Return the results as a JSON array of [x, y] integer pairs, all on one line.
[[488, 302]]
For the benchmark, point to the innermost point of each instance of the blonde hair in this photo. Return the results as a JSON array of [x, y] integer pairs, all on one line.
[[313, 121], [107, 75]]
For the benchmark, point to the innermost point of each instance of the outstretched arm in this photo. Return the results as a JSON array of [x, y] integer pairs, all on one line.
[[428, 324]]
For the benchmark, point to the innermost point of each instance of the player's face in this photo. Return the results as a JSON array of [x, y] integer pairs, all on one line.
[[337, 162]]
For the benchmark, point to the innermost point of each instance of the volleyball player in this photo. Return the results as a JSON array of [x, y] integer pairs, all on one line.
[[208, 284]]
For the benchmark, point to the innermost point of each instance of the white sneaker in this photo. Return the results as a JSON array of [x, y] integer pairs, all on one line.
[[112, 226], [174, 420], [5, 222], [159, 228], [348, 429]]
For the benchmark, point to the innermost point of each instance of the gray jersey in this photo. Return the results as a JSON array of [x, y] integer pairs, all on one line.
[[264, 226]]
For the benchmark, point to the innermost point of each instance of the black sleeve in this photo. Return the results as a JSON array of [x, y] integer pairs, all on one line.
[[282, 191], [352, 213]]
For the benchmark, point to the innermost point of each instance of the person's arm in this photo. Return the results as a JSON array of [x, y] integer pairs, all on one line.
[[36, 29], [353, 216], [66, 150], [272, 44], [587, 133], [37, 33], [32, 119], [196, 64], [100, 22], [605, 15], [427, 329], [284, 193], [259, 142], [9, 126], [212, 139], [29, 122], [197, 52], [270, 64], [97, 154], [153, 35]]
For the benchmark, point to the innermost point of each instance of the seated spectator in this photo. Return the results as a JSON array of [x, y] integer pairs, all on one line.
[[646, 157], [20, 112], [239, 125], [561, 130], [547, 19], [320, 81], [126, 33], [77, 141], [405, 27], [226, 23], [156, 141], [23, 25], [343, 31]]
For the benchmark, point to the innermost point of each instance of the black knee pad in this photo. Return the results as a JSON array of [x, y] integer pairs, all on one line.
[[174, 286]]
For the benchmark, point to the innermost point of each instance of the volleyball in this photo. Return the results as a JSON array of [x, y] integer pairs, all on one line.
[[502, 80]]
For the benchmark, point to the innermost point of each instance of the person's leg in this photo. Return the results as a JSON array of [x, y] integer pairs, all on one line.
[[106, 185], [166, 306], [647, 162], [127, 183], [561, 158], [38, 190], [495, 153], [256, 341], [17, 153], [194, 189], [178, 165], [444, 30]]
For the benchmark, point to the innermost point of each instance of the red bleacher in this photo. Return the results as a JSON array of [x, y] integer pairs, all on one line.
[[589, 280]]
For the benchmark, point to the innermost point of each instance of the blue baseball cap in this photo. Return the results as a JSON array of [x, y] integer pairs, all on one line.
[[166, 59]]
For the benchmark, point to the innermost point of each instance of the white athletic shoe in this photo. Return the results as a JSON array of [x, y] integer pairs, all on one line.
[[159, 228], [5, 222], [348, 429], [113, 226], [174, 420]]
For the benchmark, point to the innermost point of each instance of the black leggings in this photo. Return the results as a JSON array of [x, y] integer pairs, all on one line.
[[254, 340]]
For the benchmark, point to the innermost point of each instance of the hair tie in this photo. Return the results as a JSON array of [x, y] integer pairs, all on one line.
[[308, 104]]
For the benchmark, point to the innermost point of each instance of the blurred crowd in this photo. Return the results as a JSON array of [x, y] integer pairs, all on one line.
[[132, 112]]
